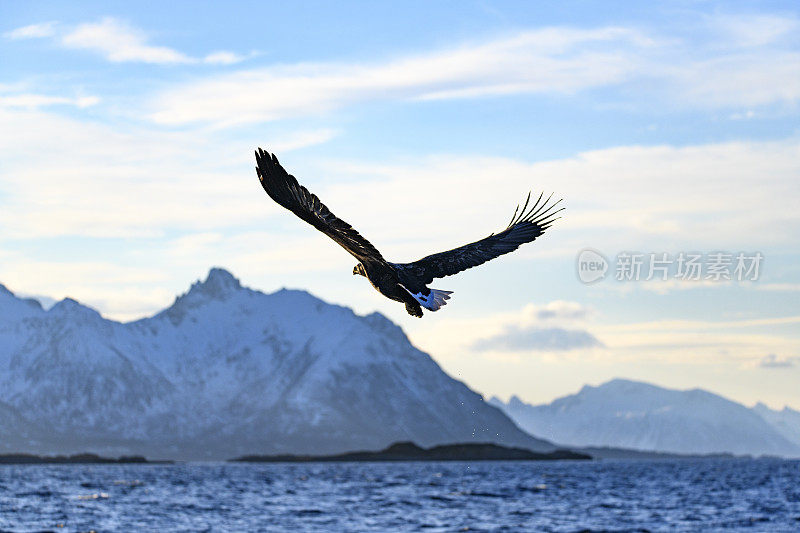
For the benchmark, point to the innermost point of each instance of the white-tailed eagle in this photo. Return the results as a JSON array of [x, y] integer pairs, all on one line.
[[403, 282]]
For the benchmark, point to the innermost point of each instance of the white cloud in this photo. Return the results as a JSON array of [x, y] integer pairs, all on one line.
[[223, 58], [536, 338], [556, 329], [557, 326], [101, 181], [551, 60], [657, 198], [513, 336], [749, 63], [747, 66], [33, 31], [119, 42]]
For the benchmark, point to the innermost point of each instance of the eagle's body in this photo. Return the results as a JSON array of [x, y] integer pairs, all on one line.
[[383, 277], [402, 282]]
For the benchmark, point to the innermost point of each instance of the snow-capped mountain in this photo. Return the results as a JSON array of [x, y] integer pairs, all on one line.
[[227, 371], [630, 414]]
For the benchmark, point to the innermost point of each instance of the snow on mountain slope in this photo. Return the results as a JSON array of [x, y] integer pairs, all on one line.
[[630, 414], [786, 421], [227, 371]]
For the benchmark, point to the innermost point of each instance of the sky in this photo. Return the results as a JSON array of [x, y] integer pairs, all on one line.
[[670, 130]]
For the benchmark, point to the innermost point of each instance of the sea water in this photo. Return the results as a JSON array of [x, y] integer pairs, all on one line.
[[685, 495]]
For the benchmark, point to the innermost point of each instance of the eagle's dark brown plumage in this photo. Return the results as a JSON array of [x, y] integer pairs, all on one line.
[[403, 282]]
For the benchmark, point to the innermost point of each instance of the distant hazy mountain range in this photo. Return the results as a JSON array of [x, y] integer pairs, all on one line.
[[227, 371], [630, 414], [786, 421]]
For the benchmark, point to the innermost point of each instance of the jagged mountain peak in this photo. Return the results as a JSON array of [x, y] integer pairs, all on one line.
[[786, 421], [221, 288], [219, 284], [12, 307], [219, 278], [228, 370], [8, 296], [73, 307], [66, 304], [761, 407], [515, 401]]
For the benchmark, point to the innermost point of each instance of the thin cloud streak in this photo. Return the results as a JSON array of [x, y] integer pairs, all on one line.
[[552, 60], [534, 338], [119, 42], [735, 70], [223, 58], [773, 361], [32, 31]]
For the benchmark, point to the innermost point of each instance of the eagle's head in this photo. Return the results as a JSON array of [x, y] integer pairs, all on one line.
[[359, 270]]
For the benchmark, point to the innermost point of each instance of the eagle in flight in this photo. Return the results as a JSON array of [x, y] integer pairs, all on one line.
[[402, 282]]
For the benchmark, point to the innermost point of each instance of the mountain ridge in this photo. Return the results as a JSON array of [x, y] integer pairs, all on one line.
[[226, 370], [623, 413]]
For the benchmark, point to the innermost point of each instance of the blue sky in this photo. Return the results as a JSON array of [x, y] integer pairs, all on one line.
[[126, 170]]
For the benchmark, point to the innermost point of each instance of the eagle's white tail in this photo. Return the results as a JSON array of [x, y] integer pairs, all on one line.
[[434, 300]]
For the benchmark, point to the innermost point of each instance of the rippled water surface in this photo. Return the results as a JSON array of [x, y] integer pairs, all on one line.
[[750, 495]]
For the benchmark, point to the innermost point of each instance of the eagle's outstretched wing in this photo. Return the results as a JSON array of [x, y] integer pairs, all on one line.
[[526, 224], [284, 189]]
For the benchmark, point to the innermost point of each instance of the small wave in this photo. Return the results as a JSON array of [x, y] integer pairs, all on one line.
[[128, 483], [535, 488], [93, 496]]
